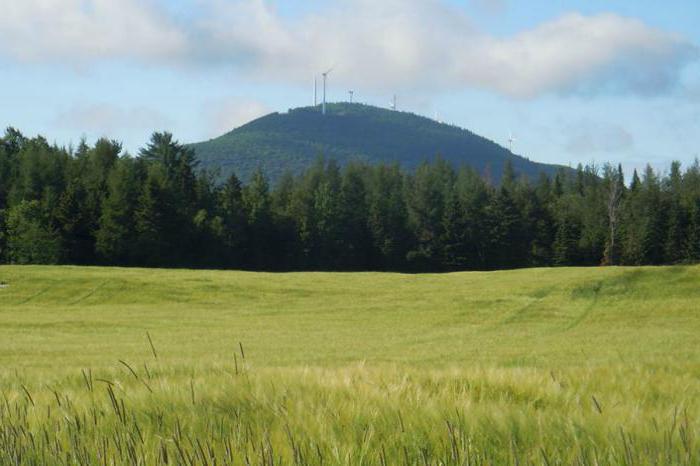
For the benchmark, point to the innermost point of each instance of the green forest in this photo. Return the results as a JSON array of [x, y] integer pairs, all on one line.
[[99, 205], [290, 142]]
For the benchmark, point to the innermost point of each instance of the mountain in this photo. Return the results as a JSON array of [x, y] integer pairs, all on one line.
[[292, 141]]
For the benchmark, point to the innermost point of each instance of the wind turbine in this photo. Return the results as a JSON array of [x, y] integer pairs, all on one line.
[[352, 93], [511, 140], [315, 91], [325, 78], [393, 103]]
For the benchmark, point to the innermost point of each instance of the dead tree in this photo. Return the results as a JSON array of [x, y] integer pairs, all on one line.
[[616, 188]]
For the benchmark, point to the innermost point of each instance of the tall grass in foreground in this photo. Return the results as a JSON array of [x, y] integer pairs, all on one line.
[[156, 414]]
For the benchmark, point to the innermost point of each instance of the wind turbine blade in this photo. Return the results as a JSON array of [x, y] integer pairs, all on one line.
[[330, 69]]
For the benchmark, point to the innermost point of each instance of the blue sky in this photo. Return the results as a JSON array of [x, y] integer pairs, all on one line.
[[575, 81]]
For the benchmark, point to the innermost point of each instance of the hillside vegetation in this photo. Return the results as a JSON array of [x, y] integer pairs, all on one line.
[[540, 366], [291, 142]]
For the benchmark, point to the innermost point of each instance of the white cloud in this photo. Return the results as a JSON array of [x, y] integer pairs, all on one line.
[[580, 53], [431, 44], [227, 114], [76, 31], [377, 45]]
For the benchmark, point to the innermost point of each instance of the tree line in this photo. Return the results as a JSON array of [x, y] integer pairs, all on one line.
[[98, 205]]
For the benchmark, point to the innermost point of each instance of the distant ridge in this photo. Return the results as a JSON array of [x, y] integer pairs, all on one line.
[[292, 141]]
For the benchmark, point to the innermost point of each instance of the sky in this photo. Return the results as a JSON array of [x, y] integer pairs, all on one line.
[[585, 81]]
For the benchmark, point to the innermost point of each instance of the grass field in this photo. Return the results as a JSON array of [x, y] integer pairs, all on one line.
[[543, 366]]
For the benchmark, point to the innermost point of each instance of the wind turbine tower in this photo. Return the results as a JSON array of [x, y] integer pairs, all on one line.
[[393, 103], [315, 91], [352, 93], [511, 140], [325, 78]]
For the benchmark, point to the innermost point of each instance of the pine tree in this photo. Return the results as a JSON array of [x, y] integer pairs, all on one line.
[[454, 234], [565, 247], [473, 199], [158, 225], [426, 198], [235, 225], [655, 232], [540, 222], [505, 232], [76, 226], [257, 204], [691, 205], [692, 241], [356, 250], [10, 145], [115, 237], [677, 216], [30, 237], [326, 228], [388, 218], [3, 237]]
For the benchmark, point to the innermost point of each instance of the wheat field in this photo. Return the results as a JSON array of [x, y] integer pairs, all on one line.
[[105, 366]]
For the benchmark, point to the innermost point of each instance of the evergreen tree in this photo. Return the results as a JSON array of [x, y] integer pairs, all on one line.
[[388, 218], [158, 223], [427, 192], [115, 238], [692, 242], [10, 145], [235, 226], [505, 230], [654, 221], [539, 221], [691, 205], [677, 216], [565, 247], [636, 182], [473, 199], [455, 231], [76, 227], [327, 216], [285, 223], [3, 237], [356, 251], [257, 204], [30, 237]]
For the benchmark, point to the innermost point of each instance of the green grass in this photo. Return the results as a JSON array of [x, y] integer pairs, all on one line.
[[542, 366]]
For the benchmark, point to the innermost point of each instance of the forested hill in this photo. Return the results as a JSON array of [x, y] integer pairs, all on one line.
[[292, 141]]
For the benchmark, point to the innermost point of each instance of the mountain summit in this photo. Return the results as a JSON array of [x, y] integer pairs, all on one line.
[[292, 141]]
